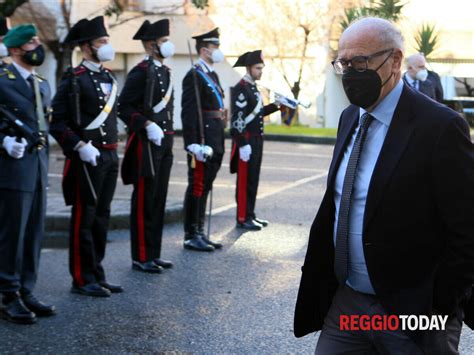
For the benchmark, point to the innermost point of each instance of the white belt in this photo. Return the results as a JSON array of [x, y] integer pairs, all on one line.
[[255, 111], [97, 122], [162, 104]]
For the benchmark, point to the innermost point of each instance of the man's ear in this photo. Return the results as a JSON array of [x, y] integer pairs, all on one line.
[[397, 59]]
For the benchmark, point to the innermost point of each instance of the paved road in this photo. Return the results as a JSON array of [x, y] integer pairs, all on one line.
[[237, 300]]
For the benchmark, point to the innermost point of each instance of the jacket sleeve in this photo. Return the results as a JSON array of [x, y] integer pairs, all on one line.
[[240, 109], [189, 111], [131, 100], [270, 108], [453, 181], [61, 127]]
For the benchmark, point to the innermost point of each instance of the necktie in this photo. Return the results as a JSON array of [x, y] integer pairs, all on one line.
[[342, 234], [43, 127], [415, 84]]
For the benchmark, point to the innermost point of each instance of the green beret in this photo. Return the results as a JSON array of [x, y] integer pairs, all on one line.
[[19, 35]]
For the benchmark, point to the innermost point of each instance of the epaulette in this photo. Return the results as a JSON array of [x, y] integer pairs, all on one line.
[[108, 70], [9, 73], [79, 70], [143, 64], [40, 77]]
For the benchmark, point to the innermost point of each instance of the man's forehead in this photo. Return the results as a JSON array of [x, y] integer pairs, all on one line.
[[358, 43]]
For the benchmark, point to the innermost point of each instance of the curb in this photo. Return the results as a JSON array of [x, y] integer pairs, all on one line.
[[300, 139], [118, 221]]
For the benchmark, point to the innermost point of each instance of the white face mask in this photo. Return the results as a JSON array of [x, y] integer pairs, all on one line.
[[216, 55], [422, 75], [105, 53], [167, 49], [3, 51]]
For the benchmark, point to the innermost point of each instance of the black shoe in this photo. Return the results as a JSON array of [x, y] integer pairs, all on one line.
[[15, 311], [165, 264], [250, 225], [38, 307], [196, 243], [94, 290], [263, 222], [210, 242], [148, 266], [112, 288]]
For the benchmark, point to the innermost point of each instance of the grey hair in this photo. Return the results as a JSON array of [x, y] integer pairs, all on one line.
[[388, 33]]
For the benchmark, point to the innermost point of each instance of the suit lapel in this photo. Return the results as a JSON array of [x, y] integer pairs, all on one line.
[[343, 139], [397, 138], [20, 84]]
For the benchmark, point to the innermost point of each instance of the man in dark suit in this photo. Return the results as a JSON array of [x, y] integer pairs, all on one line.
[[394, 234], [417, 75], [84, 123], [204, 141], [436, 80], [146, 107], [23, 176]]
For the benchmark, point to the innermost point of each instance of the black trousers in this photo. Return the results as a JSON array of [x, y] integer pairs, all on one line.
[[21, 231], [248, 176], [148, 204], [200, 180], [90, 219]]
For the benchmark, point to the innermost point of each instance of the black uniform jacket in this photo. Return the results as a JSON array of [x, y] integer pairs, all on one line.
[[134, 111]]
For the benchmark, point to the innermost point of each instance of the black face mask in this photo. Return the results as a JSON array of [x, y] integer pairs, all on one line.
[[363, 88], [34, 57]]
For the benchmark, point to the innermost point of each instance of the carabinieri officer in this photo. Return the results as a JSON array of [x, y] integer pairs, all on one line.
[[205, 156], [85, 125], [248, 111], [146, 107]]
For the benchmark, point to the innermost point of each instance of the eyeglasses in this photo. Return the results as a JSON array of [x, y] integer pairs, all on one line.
[[360, 63]]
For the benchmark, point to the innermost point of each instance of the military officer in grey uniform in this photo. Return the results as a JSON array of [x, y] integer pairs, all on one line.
[[25, 96]]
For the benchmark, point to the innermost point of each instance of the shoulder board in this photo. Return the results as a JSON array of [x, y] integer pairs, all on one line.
[[143, 64], [40, 77], [79, 70], [108, 70], [8, 73]]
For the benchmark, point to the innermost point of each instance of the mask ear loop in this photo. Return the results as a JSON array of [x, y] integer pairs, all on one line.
[[380, 66]]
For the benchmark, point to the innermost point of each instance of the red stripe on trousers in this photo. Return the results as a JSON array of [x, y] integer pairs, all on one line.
[[242, 191], [76, 239], [198, 187], [140, 210]]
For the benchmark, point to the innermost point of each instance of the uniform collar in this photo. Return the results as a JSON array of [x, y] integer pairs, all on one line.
[[205, 66], [249, 79], [25, 74], [95, 67]]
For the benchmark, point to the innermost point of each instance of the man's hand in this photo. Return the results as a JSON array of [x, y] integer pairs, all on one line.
[[245, 152], [154, 133], [88, 153], [15, 149], [201, 152], [207, 151]]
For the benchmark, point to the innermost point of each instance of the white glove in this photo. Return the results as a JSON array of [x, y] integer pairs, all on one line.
[[245, 152], [14, 149], [207, 151], [197, 151], [89, 154], [154, 133]]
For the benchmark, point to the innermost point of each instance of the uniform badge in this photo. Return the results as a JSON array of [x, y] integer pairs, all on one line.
[[106, 88], [239, 123], [241, 102]]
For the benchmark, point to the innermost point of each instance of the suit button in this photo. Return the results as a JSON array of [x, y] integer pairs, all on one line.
[[164, 130], [101, 106], [367, 244], [101, 98], [98, 89], [104, 134], [207, 126]]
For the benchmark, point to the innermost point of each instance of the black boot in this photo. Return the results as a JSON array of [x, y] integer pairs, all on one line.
[[15, 310], [206, 239], [36, 306], [263, 222], [250, 225]]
